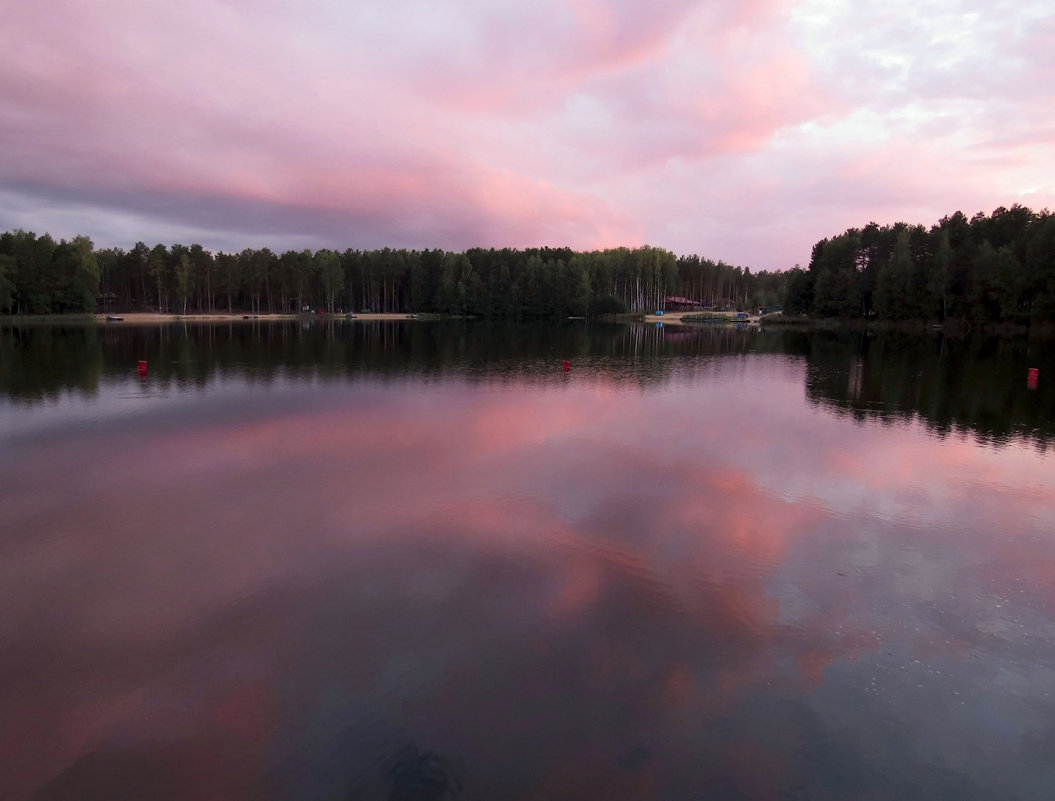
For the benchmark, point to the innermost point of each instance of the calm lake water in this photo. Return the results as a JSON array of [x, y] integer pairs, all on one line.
[[421, 561]]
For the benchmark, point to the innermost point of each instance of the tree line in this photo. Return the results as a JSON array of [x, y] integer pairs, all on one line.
[[39, 276], [997, 268]]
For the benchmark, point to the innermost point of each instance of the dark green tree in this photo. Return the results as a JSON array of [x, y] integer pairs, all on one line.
[[7, 286], [1040, 268], [184, 280], [158, 268]]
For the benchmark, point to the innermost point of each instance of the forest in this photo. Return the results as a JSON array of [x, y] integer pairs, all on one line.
[[41, 276], [997, 268]]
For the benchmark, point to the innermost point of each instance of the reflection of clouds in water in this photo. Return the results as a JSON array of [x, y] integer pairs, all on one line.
[[573, 593], [941, 724], [959, 684]]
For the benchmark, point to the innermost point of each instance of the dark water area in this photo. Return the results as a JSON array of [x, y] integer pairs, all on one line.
[[968, 384], [421, 561]]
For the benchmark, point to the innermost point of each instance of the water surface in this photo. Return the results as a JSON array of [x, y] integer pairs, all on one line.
[[422, 561]]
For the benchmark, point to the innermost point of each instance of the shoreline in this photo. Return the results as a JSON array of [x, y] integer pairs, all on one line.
[[162, 318], [224, 317], [675, 318], [157, 318]]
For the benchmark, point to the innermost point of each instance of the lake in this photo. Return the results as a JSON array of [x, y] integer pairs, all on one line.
[[417, 560]]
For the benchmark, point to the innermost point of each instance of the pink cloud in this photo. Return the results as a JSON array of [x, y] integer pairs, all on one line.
[[579, 123], [521, 58]]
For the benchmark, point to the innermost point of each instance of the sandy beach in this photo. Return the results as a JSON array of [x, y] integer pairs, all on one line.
[[674, 318], [152, 317]]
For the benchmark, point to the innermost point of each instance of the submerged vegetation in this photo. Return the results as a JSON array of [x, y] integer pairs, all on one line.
[[39, 276], [984, 270]]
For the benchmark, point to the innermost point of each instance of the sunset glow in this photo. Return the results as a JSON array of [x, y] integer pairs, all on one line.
[[743, 132]]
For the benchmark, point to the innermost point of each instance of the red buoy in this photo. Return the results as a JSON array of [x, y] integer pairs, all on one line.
[[1031, 377], [142, 368], [567, 366]]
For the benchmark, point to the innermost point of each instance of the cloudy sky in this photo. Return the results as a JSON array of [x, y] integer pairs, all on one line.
[[739, 131]]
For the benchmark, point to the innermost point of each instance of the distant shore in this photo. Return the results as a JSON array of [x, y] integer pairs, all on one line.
[[155, 317], [677, 318]]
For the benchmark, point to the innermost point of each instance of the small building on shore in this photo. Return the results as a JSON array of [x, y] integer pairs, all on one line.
[[681, 304]]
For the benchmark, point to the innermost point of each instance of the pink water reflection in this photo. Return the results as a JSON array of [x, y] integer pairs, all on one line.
[[564, 589]]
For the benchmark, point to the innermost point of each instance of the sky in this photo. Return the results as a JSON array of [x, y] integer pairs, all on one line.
[[741, 131]]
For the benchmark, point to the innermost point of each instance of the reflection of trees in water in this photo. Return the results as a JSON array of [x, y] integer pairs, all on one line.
[[975, 384], [38, 362], [972, 384], [41, 361]]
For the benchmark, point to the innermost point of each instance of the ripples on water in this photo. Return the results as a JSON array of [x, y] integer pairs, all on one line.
[[420, 562]]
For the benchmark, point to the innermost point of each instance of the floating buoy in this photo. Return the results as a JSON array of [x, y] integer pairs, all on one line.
[[566, 366], [1031, 377], [142, 368]]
